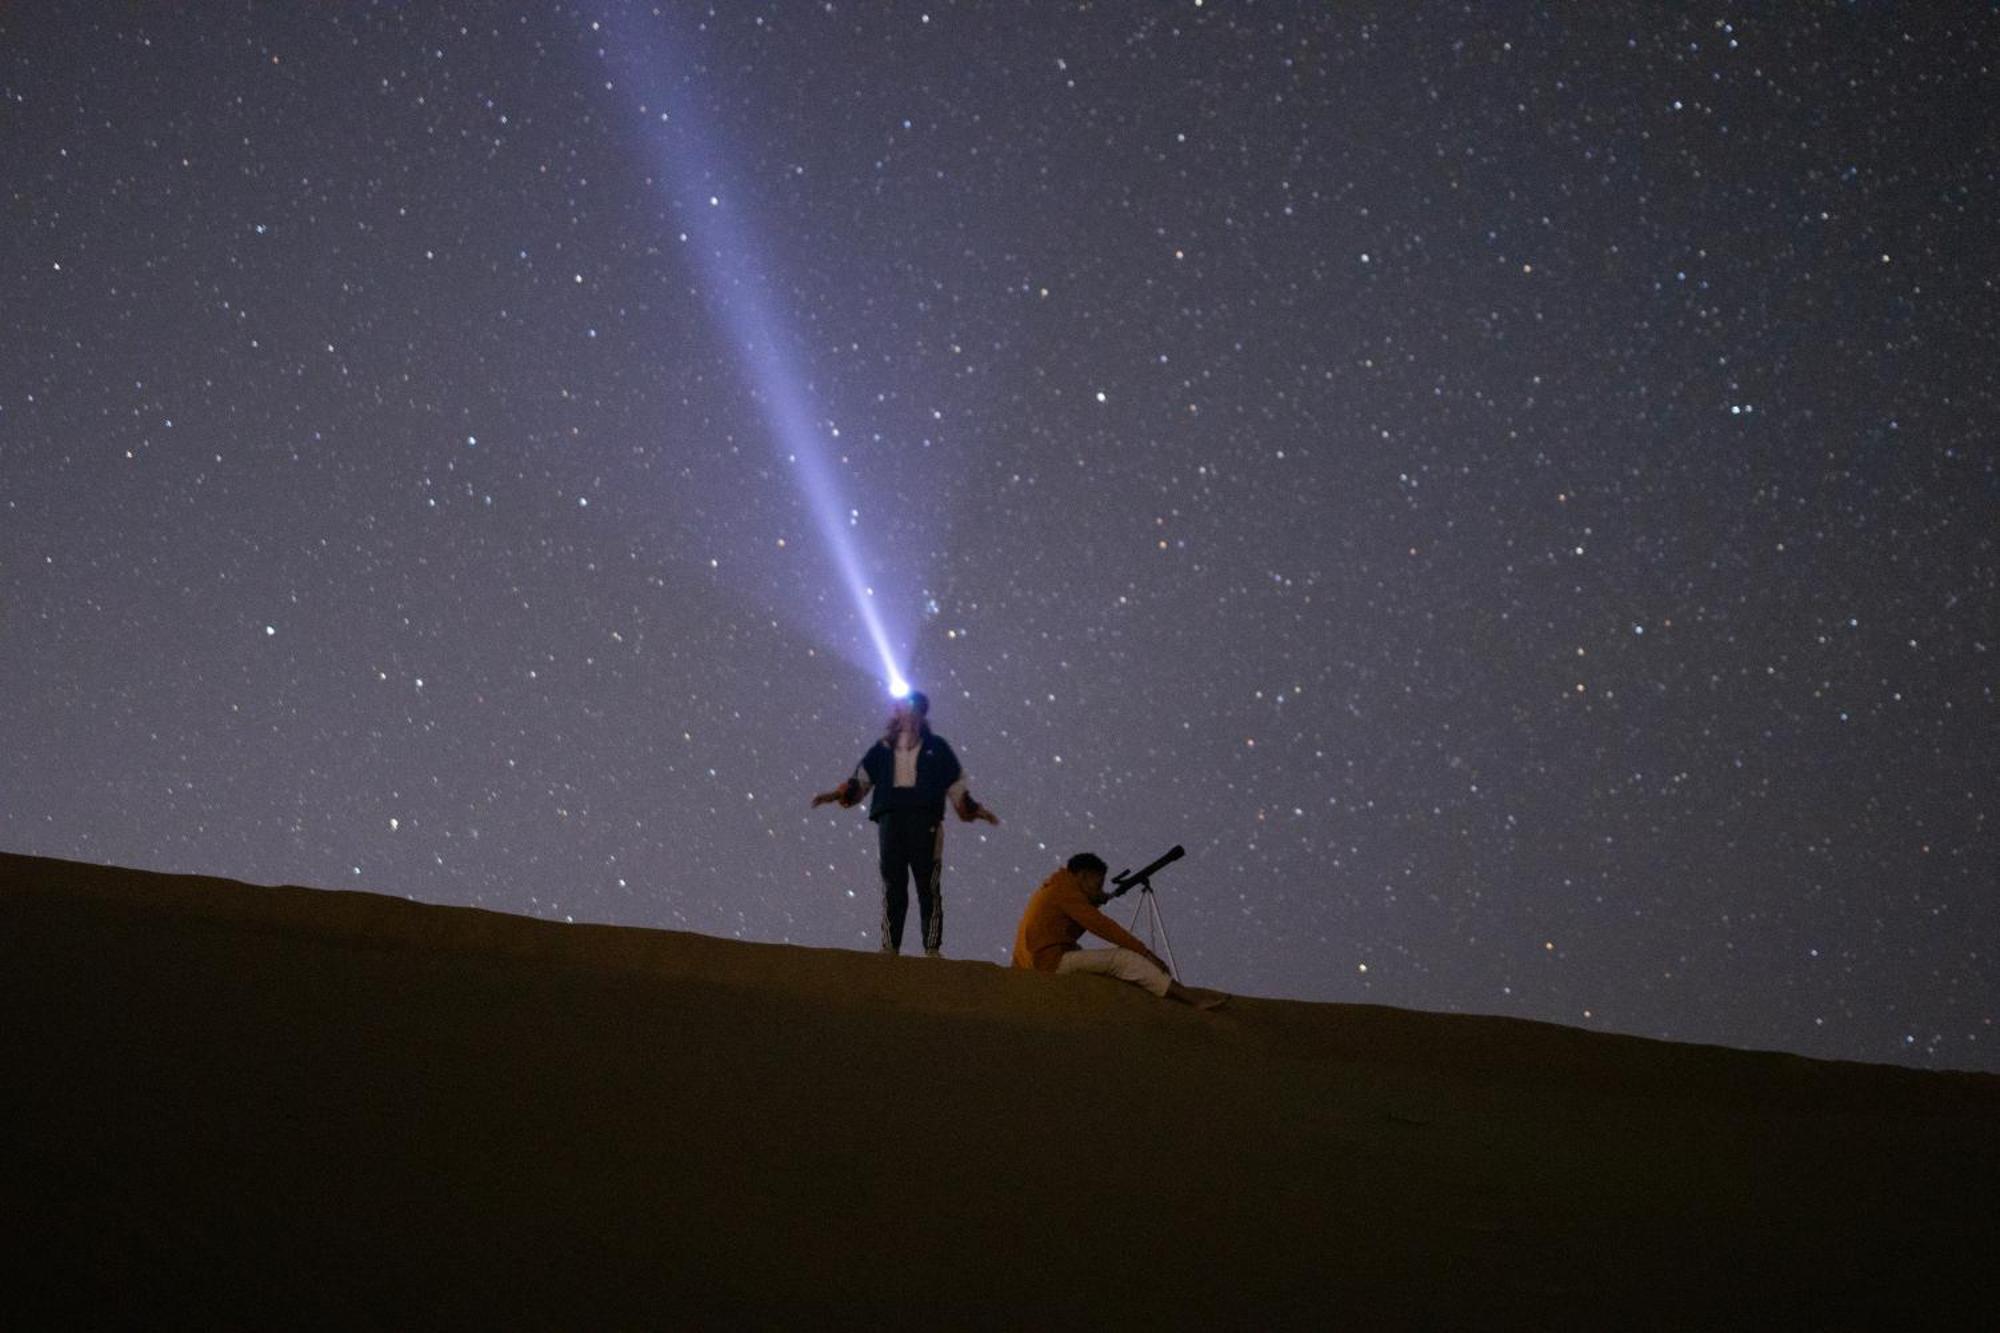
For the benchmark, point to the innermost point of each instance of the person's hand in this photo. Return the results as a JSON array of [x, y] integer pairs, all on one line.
[[983, 813], [825, 798]]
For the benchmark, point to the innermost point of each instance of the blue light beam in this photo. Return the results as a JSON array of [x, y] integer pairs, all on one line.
[[738, 290]]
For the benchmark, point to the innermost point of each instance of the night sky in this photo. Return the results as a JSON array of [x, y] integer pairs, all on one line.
[[1512, 488]]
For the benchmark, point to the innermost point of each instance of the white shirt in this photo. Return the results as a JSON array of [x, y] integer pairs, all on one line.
[[906, 774]]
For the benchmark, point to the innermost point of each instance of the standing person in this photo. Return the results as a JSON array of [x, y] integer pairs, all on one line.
[[1066, 906], [912, 774]]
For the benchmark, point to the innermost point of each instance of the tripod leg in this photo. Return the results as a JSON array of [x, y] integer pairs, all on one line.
[[1160, 923], [1139, 911]]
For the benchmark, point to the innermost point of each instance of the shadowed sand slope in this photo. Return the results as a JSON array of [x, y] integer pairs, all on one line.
[[228, 1104]]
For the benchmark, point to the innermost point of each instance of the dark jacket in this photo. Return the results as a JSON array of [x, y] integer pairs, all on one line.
[[937, 769]]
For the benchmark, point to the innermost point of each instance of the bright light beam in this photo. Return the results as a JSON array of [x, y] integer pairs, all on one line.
[[747, 314], [719, 233]]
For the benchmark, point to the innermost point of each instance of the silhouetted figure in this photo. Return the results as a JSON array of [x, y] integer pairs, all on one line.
[[1064, 907], [912, 774]]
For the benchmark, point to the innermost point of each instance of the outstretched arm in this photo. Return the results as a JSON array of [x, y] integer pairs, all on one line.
[[848, 793], [969, 809]]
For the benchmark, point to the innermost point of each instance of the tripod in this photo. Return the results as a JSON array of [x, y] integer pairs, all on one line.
[[1149, 907]]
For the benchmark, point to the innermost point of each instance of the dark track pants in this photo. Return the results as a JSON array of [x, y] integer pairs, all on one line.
[[912, 848]]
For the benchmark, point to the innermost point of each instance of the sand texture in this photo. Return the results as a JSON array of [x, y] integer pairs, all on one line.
[[229, 1105]]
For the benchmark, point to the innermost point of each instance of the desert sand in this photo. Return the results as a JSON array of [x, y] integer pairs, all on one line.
[[233, 1105]]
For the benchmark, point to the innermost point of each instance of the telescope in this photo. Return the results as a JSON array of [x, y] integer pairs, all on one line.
[[1140, 879]]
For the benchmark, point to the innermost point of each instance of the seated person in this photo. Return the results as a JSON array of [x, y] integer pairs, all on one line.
[[1064, 908]]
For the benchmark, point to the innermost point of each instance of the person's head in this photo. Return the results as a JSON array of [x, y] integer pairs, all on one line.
[[909, 713], [1089, 868]]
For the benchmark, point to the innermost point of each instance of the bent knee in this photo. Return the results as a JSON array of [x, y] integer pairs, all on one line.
[[1141, 971]]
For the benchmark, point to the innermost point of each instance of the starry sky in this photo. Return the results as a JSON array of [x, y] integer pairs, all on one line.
[[1511, 488]]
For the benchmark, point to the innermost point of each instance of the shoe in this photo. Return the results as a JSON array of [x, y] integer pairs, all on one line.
[[933, 953]]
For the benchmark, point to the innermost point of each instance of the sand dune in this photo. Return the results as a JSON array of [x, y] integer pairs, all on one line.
[[230, 1104]]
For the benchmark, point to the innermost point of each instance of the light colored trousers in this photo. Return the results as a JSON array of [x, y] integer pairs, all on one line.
[[1120, 963]]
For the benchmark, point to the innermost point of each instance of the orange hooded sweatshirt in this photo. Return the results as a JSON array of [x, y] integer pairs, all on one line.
[[1057, 916]]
